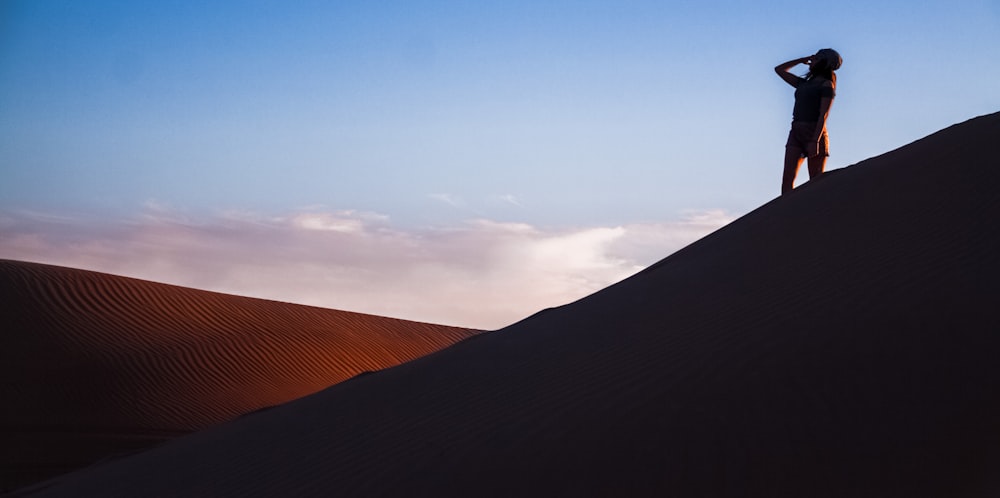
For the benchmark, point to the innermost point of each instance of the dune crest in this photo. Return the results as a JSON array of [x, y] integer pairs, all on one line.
[[838, 341], [95, 364]]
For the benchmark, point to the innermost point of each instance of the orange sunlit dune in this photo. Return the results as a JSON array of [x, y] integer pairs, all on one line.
[[96, 364]]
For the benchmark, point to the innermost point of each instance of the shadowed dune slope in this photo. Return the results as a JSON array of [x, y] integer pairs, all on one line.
[[840, 341], [96, 364]]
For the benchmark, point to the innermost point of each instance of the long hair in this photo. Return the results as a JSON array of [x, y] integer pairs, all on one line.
[[826, 61], [822, 69]]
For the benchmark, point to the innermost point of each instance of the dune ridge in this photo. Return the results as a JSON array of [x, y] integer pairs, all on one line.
[[95, 364], [838, 341]]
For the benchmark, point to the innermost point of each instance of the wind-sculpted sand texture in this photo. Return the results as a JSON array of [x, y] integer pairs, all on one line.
[[94, 365], [839, 341]]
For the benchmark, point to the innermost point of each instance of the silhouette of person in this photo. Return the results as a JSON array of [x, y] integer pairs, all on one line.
[[814, 94]]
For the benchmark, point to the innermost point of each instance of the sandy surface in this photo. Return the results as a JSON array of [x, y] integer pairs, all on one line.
[[839, 341], [94, 365]]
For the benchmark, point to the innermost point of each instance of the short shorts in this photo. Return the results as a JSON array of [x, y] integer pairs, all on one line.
[[800, 136]]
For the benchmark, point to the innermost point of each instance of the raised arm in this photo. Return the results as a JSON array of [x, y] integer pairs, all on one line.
[[784, 68]]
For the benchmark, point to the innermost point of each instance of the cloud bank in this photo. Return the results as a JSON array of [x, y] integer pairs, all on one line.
[[481, 273]]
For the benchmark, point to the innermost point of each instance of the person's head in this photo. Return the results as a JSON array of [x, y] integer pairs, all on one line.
[[824, 63]]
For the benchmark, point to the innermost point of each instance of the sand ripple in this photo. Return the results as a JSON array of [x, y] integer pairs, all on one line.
[[90, 359]]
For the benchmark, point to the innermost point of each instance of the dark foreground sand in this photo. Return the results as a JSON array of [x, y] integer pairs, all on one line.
[[842, 341], [95, 365]]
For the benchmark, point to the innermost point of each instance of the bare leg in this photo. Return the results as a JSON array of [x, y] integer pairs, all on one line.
[[817, 164], [793, 159]]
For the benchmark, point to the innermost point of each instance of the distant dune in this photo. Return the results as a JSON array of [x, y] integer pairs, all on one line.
[[94, 365], [841, 341]]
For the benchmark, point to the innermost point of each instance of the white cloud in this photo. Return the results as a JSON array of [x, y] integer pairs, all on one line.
[[449, 199], [508, 199], [481, 273], [327, 221]]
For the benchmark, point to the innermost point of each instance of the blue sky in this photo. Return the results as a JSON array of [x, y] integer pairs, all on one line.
[[440, 117]]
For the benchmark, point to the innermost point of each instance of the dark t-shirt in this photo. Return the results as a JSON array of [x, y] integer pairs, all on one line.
[[808, 94]]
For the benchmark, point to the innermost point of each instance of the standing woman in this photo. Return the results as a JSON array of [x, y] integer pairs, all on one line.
[[813, 96]]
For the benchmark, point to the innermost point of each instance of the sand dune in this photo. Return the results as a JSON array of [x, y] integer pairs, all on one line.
[[839, 341], [94, 365]]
